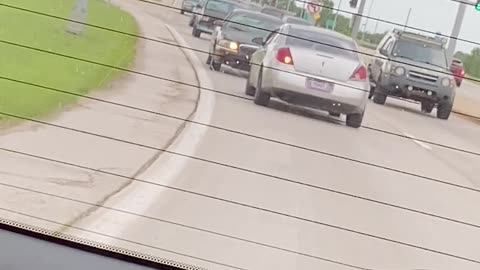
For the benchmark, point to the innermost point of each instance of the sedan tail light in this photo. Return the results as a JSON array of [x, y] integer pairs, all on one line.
[[284, 56], [360, 74]]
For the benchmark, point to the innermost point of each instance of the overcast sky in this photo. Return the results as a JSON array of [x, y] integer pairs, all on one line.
[[432, 15]]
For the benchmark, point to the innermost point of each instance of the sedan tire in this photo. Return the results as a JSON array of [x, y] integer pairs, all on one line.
[[196, 32], [249, 90], [261, 98], [355, 120]]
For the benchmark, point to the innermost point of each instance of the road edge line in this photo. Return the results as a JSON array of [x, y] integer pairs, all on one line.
[[167, 167]]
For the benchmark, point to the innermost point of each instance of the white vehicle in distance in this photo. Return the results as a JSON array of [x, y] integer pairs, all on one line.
[[312, 67]]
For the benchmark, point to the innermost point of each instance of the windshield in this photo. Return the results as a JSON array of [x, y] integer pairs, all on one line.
[[178, 136], [253, 24], [339, 47], [224, 7], [421, 52]]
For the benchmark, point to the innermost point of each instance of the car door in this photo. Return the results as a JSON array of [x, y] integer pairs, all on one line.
[[381, 56], [259, 55]]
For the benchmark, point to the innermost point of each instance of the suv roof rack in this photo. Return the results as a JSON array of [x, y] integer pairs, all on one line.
[[435, 40]]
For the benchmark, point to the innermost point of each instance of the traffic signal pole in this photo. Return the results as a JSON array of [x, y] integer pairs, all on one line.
[[357, 19]]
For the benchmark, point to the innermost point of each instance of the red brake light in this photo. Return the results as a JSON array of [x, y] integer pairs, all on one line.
[[360, 74], [284, 56]]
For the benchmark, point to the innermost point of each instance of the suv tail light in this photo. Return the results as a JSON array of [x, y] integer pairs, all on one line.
[[284, 56], [360, 74]]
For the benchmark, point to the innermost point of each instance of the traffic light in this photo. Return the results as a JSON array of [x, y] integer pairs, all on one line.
[[354, 3]]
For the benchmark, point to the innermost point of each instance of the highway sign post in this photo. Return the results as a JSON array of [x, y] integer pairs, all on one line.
[[79, 14]]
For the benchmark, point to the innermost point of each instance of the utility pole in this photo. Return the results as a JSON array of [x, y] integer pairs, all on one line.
[[79, 14], [336, 15], [366, 21], [452, 43], [408, 19], [357, 19]]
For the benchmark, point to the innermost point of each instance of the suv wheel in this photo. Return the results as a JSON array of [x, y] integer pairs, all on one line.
[[355, 120], [427, 107], [444, 109], [379, 98]]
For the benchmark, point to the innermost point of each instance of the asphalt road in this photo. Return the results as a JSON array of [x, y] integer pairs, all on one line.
[[318, 131]]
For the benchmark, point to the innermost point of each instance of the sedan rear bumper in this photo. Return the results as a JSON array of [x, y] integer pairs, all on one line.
[[292, 88]]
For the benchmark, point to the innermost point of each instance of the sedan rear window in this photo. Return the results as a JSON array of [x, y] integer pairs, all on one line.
[[321, 42], [220, 6]]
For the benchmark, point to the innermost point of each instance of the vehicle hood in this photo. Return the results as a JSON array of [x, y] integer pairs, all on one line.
[[239, 36], [418, 66]]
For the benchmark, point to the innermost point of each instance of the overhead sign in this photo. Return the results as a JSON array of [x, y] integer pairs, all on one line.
[[313, 7]]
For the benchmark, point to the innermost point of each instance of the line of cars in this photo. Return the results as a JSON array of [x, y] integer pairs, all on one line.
[[289, 59], [283, 57]]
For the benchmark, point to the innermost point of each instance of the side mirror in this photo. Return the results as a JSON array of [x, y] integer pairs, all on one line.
[[218, 23], [258, 40]]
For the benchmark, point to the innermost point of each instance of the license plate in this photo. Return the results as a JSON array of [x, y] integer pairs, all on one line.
[[320, 85]]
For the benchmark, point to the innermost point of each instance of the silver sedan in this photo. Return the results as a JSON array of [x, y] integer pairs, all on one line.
[[312, 67]]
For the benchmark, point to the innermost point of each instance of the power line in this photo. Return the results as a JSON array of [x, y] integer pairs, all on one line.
[[387, 21], [310, 40], [121, 239], [183, 47], [248, 135], [316, 222], [186, 226], [195, 86], [255, 27], [209, 89], [215, 126]]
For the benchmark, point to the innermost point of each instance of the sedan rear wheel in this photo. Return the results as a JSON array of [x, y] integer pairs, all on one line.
[[261, 98], [249, 90], [196, 32], [355, 120]]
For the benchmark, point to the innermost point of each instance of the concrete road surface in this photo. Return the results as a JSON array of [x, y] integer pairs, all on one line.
[[333, 231], [266, 240]]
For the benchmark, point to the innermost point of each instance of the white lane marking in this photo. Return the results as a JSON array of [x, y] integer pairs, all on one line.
[[415, 140], [138, 198]]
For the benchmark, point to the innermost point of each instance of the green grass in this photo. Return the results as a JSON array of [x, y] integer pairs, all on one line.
[[54, 71]]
